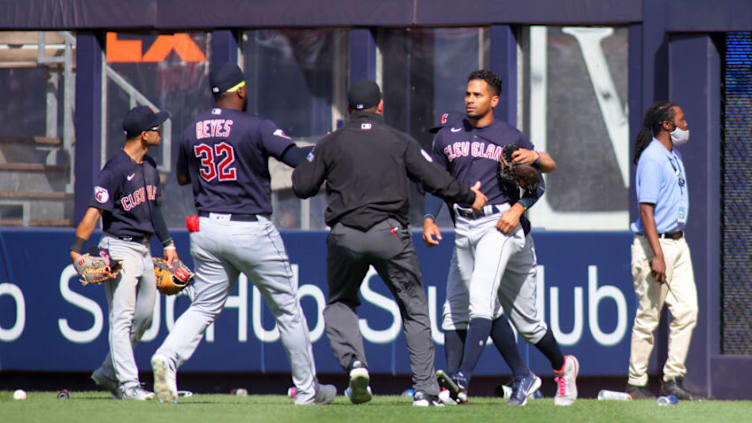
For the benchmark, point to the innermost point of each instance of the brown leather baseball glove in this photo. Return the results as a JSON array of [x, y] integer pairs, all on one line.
[[97, 266], [171, 280]]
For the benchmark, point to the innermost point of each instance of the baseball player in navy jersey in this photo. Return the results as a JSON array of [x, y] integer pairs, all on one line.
[[126, 197], [224, 155], [494, 264]]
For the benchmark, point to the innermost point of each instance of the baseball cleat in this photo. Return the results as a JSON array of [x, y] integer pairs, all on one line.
[[456, 385], [165, 385], [134, 392], [360, 392], [101, 379], [523, 388], [446, 397], [566, 381], [422, 399]]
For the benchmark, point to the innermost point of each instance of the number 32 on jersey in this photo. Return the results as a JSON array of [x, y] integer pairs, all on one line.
[[216, 162]]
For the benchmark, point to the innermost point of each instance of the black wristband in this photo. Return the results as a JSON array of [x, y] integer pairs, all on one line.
[[167, 242], [78, 245]]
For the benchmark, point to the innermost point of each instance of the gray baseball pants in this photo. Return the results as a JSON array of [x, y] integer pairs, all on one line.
[[221, 250], [388, 247], [130, 298]]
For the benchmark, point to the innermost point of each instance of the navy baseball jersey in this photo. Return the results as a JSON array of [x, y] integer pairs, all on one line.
[[127, 192], [226, 153], [472, 154]]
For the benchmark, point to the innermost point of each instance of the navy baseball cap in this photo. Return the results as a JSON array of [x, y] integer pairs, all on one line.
[[226, 77], [142, 118], [364, 94], [447, 118]]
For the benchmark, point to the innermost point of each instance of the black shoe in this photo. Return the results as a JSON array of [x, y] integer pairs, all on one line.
[[639, 392], [456, 384], [422, 399], [676, 387]]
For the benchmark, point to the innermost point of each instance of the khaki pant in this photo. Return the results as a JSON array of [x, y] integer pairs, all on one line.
[[680, 294]]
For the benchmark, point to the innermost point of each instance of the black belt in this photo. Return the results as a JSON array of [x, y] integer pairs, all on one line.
[[669, 235], [234, 217], [470, 214], [143, 240]]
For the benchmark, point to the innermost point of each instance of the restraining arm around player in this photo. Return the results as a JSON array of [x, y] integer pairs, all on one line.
[[494, 262], [126, 197]]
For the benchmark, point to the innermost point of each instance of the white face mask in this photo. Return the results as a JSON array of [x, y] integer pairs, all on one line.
[[679, 136]]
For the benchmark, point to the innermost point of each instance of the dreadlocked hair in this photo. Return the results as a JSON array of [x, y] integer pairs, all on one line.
[[658, 113]]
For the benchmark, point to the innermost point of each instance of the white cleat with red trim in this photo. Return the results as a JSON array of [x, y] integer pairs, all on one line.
[[566, 381]]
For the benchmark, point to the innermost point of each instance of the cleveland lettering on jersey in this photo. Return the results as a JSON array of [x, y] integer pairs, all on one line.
[[474, 149], [138, 197]]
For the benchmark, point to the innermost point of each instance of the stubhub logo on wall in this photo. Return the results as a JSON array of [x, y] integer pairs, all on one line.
[[584, 289]]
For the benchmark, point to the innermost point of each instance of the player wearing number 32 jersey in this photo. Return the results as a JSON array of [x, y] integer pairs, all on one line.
[[224, 155]]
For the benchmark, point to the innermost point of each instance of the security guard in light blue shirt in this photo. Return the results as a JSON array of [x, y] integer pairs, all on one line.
[[661, 175], [661, 262]]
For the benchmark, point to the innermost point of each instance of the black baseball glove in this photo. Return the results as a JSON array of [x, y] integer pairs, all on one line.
[[517, 174]]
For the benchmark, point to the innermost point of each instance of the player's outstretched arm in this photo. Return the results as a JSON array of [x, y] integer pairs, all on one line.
[[84, 231], [309, 175], [294, 155]]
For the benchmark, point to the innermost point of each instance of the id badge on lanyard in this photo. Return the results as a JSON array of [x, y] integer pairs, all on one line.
[[681, 214]]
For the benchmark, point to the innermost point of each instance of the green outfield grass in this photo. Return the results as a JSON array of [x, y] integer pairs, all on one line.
[[98, 407]]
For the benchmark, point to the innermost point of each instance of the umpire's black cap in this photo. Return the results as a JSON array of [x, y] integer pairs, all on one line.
[[363, 94], [447, 118], [142, 118], [226, 77]]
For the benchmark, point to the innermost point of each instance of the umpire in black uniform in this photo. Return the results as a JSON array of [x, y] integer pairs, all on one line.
[[366, 165]]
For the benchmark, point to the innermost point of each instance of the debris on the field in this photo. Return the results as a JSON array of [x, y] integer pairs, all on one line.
[[241, 392], [291, 392], [185, 394], [19, 394], [409, 393], [63, 394], [667, 400], [614, 395]]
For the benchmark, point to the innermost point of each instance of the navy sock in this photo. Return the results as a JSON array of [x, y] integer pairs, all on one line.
[[504, 339], [550, 348], [454, 345], [477, 335]]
